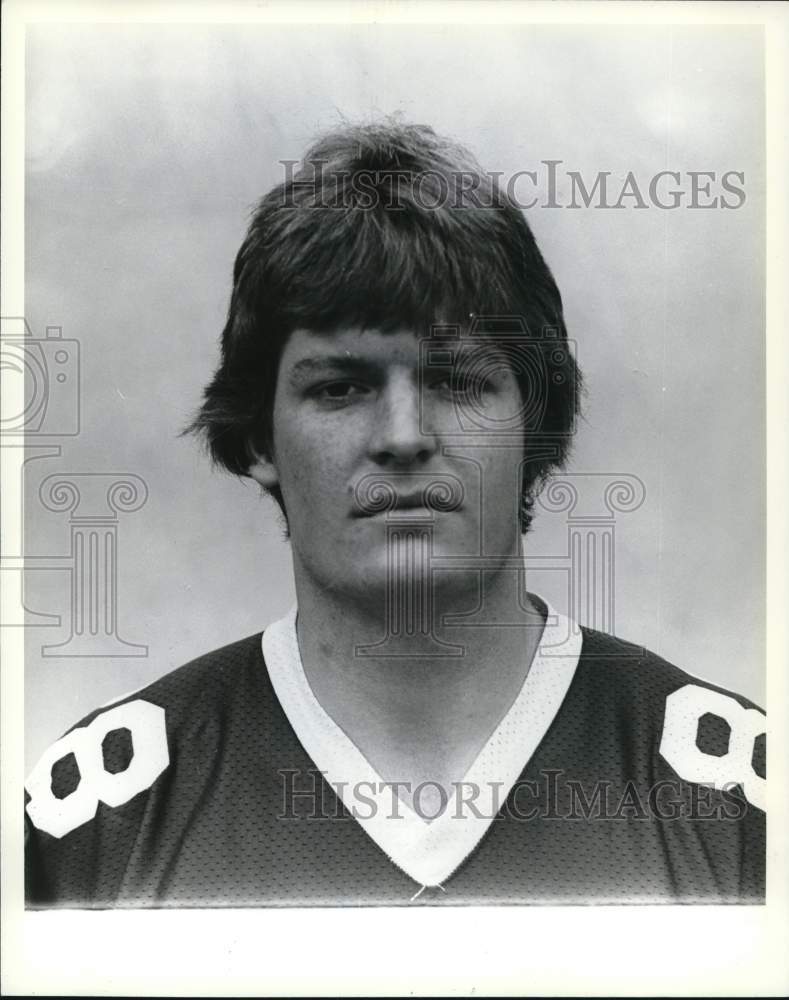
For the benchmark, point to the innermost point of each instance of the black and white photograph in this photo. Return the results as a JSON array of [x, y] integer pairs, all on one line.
[[387, 460]]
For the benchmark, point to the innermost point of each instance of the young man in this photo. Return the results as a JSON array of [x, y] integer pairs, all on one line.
[[395, 372]]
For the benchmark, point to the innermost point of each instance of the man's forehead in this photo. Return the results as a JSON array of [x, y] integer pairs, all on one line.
[[310, 348]]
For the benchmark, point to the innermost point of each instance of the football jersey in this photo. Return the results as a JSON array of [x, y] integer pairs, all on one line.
[[614, 777]]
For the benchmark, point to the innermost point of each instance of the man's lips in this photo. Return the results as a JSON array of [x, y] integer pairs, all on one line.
[[413, 501], [381, 493]]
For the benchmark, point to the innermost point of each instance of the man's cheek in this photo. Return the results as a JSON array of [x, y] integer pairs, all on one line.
[[315, 477]]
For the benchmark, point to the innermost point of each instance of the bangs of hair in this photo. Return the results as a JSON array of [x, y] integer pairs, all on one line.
[[405, 232]]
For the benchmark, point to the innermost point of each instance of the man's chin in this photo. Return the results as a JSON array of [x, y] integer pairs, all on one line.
[[390, 582], [406, 564]]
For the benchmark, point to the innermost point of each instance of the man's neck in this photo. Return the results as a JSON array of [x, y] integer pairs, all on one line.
[[414, 710]]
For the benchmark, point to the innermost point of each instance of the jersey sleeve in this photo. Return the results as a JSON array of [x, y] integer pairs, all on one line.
[[715, 742], [86, 803]]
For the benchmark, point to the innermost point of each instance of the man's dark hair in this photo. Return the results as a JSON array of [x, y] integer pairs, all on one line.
[[387, 227]]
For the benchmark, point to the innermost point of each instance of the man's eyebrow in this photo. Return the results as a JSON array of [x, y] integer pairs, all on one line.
[[330, 362], [464, 353]]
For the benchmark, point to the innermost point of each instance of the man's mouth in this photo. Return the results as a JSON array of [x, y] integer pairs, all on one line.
[[382, 493]]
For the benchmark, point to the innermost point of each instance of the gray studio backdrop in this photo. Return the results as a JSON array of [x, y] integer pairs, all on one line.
[[147, 148]]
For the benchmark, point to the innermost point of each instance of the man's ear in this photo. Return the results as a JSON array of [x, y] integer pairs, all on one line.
[[263, 470]]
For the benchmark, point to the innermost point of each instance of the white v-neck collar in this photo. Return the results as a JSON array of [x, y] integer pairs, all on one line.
[[427, 851]]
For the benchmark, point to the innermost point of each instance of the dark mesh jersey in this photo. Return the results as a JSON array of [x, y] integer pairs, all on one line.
[[195, 791]]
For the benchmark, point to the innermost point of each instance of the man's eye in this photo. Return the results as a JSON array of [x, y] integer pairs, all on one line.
[[339, 392], [460, 385]]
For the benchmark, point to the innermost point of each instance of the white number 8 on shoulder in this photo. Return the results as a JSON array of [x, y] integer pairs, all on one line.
[[678, 746], [150, 757]]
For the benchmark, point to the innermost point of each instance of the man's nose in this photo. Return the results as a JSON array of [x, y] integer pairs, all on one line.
[[398, 437]]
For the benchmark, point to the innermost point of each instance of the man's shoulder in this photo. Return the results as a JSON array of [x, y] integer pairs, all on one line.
[[204, 682], [628, 671], [219, 670], [128, 746], [634, 705], [157, 717]]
